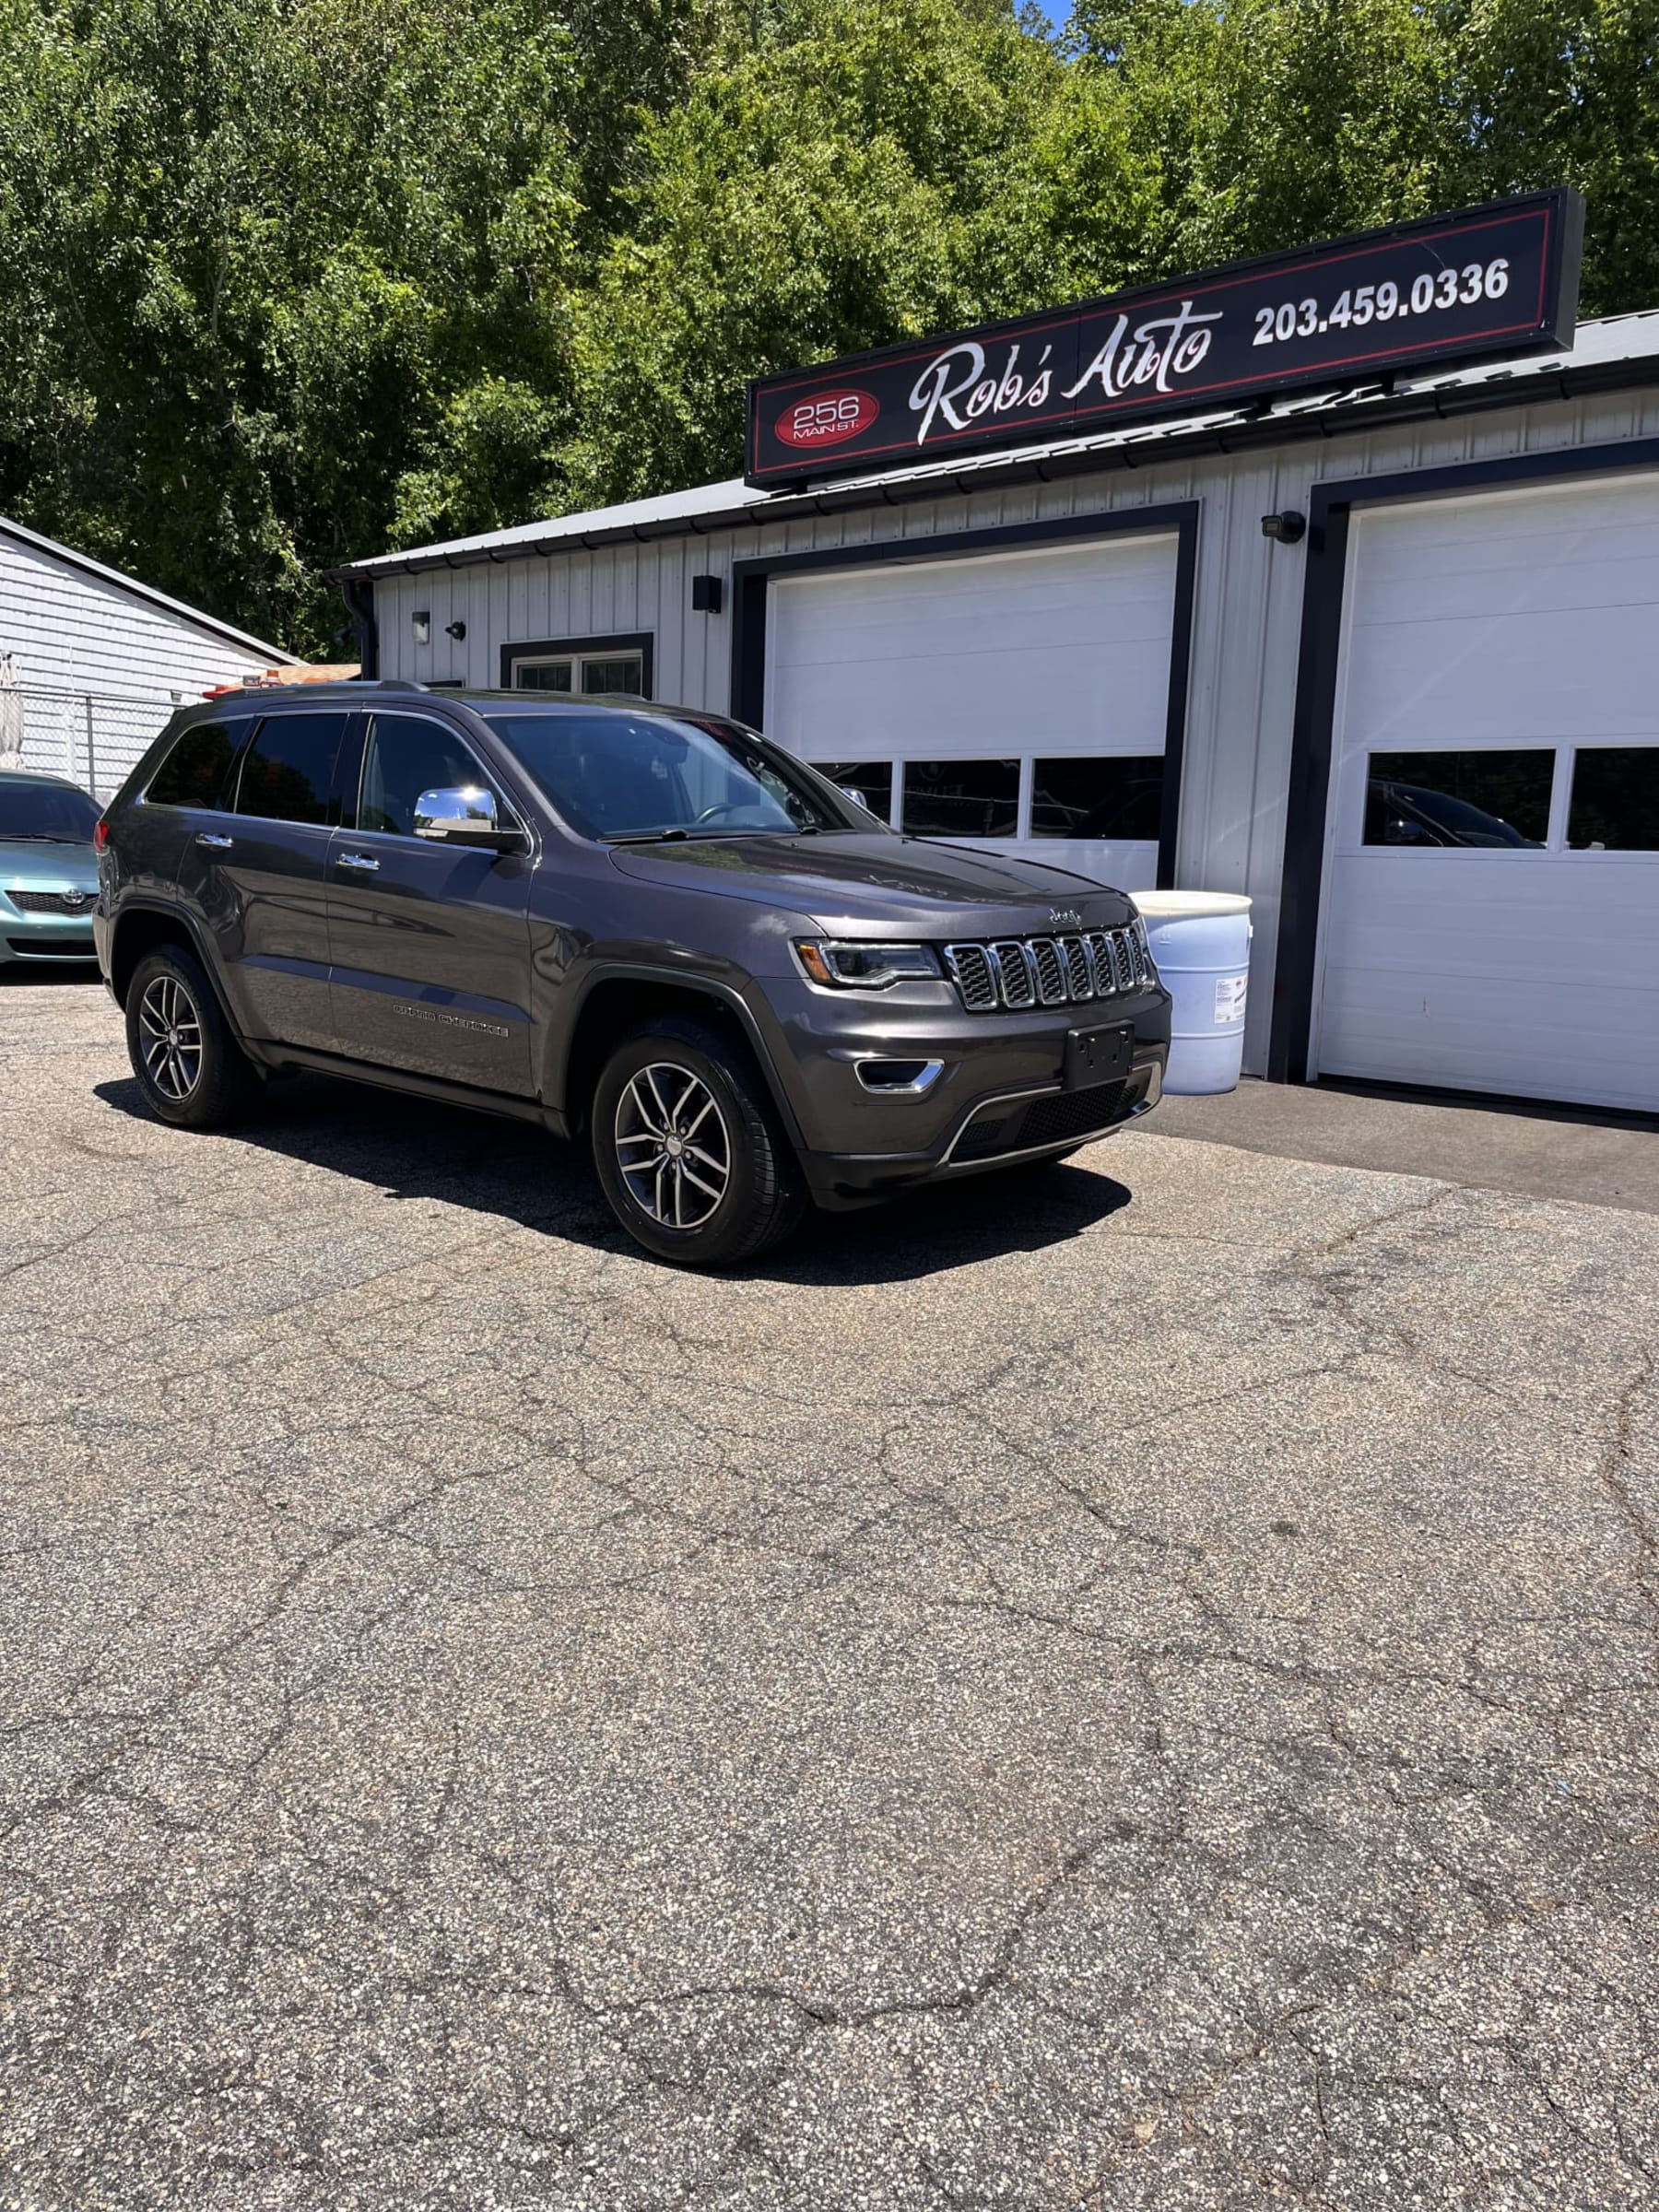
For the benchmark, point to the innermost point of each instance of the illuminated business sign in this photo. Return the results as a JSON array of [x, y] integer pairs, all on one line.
[[1493, 281]]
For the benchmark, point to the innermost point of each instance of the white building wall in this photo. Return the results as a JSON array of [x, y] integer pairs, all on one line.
[[70, 629], [100, 663], [1246, 613]]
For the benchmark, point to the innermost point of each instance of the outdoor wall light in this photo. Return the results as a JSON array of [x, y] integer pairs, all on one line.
[[705, 595], [1284, 529], [420, 627], [454, 629]]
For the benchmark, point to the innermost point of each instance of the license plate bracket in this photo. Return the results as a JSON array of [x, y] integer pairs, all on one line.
[[1098, 1056]]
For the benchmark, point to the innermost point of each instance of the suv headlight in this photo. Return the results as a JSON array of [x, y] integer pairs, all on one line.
[[847, 967]]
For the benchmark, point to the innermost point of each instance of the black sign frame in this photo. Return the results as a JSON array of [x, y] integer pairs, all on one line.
[[1511, 267]]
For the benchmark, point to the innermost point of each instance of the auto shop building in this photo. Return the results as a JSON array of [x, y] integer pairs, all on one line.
[[1418, 723]]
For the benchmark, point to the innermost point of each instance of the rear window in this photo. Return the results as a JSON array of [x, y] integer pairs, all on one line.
[[198, 771], [288, 771]]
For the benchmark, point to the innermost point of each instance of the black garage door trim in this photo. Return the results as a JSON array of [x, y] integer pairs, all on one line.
[[1312, 730], [750, 579]]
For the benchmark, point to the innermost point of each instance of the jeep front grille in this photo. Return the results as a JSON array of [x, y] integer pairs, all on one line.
[[1021, 972]]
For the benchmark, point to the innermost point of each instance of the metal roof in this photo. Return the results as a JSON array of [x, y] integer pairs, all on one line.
[[1615, 352], [146, 592]]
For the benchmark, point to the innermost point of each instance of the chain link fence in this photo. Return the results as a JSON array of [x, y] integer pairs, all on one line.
[[94, 738]]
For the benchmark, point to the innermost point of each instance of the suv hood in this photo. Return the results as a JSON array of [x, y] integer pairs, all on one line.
[[880, 886]]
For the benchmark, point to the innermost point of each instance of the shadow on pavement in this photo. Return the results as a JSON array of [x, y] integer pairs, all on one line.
[[411, 1150]]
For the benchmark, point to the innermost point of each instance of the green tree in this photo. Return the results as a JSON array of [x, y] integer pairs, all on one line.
[[286, 281], [275, 273], [847, 183], [1276, 122]]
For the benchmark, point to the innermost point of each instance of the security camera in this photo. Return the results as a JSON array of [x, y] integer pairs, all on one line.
[[1284, 529]]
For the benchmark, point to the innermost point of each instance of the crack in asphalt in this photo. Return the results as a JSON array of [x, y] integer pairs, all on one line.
[[488, 1722]]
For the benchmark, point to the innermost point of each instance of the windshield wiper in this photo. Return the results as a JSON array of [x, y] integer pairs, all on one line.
[[651, 837], [43, 836]]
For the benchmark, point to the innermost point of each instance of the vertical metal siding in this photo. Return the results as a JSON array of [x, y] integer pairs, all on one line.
[[1246, 613]]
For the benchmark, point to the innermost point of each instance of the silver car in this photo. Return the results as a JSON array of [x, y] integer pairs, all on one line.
[[48, 870]]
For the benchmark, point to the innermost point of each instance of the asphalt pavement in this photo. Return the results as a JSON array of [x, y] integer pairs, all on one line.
[[1130, 1687]]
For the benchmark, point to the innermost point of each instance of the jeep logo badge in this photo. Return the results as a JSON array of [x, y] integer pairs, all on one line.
[[1065, 917]]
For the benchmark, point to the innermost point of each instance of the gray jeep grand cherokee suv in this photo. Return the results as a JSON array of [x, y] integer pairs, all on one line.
[[638, 924]]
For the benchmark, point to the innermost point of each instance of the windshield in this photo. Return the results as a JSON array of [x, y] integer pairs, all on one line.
[[645, 776], [46, 810]]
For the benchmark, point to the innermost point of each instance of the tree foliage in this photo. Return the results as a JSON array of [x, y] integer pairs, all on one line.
[[283, 281]]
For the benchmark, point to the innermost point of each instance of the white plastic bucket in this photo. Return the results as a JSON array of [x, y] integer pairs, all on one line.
[[1201, 942]]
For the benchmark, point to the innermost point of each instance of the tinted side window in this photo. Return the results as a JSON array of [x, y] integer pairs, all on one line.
[[404, 755], [197, 770], [288, 772]]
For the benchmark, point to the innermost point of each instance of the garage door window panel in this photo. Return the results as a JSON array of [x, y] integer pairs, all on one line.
[[1491, 801], [872, 779], [961, 798], [1615, 803], [1117, 796]]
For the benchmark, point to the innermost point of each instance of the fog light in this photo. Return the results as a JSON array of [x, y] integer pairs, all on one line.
[[912, 1076]]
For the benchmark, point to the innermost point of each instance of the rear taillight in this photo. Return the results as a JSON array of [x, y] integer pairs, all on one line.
[[100, 836]]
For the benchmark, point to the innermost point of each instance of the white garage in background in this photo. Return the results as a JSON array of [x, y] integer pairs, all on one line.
[[1009, 697], [1499, 682], [1250, 608]]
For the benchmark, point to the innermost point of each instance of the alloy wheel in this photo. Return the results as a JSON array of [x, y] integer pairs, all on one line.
[[672, 1146], [170, 1029]]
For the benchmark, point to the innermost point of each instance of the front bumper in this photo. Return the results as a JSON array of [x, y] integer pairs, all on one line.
[[998, 1093], [45, 936]]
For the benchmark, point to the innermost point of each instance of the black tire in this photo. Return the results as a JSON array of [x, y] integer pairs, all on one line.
[[734, 1182], [190, 1069]]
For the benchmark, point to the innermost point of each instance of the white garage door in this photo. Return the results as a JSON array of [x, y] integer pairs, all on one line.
[[1015, 698], [1492, 883]]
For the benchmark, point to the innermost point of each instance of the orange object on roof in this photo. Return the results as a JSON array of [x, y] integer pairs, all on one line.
[[304, 672]]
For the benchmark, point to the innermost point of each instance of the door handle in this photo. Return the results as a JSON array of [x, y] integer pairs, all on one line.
[[218, 844], [360, 860]]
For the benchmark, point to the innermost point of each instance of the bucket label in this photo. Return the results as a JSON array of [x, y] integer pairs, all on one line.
[[1229, 999]]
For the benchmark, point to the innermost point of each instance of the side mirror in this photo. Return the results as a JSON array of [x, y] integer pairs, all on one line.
[[465, 817], [858, 799]]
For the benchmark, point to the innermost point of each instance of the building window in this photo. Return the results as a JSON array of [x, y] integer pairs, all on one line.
[[1491, 799], [961, 798], [872, 779], [590, 665], [1615, 804], [1116, 796]]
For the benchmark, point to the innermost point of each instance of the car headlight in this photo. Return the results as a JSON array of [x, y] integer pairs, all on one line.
[[846, 967]]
